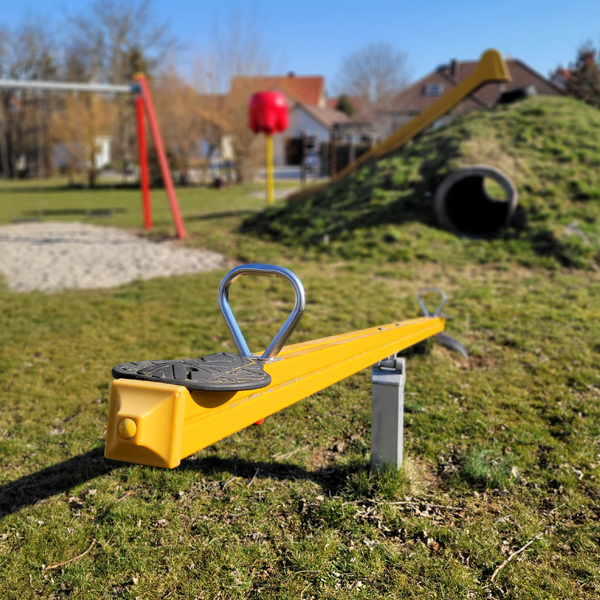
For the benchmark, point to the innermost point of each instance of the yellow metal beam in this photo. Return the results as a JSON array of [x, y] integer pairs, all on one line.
[[490, 69], [159, 424]]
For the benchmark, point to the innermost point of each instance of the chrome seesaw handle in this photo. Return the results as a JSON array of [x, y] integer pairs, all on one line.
[[286, 329], [435, 290]]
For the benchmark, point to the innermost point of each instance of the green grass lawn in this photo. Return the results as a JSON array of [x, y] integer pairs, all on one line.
[[498, 449], [54, 200], [550, 148]]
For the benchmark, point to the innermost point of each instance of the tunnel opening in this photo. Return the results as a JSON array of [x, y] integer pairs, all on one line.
[[476, 201]]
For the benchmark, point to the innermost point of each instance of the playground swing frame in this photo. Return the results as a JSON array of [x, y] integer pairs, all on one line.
[[144, 108]]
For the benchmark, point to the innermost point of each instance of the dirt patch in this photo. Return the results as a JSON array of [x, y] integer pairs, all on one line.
[[57, 256]]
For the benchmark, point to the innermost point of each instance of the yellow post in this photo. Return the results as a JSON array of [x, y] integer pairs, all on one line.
[[270, 182]]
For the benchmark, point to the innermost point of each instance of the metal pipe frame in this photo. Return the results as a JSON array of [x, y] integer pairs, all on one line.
[[161, 155], [67, 86], [143, 157], [139, 88]]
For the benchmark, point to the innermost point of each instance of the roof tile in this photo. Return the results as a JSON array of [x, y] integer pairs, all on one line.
[[305, 89]]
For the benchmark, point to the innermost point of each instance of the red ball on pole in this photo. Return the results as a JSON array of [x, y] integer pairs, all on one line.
[[268, 113]]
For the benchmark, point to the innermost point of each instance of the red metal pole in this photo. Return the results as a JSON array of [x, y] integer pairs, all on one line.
[[162, 157], [144, 183]]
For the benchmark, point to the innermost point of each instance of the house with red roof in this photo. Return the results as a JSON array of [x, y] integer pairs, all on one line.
[[308, 89], [388, 115], [311, 120], [310, 127], [311, 117]]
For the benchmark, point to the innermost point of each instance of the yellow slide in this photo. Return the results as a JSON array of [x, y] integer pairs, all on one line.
[[491, 69]]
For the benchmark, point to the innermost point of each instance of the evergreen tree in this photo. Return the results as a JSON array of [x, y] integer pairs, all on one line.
[[344, 104], [583, 79]]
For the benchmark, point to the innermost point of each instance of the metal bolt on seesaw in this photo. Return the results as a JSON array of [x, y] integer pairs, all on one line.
[[164, 410]]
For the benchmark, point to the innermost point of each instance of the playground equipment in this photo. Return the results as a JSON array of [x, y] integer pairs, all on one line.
[[164, 410], [491, 68], [144, 107], [463, 205], [268, 114]]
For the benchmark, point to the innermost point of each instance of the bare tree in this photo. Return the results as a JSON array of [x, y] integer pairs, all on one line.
[[184, 121], [112, 38], [26, 53], [374, 72], [111, 41], [238, 52], [77, 126]]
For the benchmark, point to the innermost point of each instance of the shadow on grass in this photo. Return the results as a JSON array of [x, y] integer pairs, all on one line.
[[331, 479], [53, 480], [68, 188], [62, 477], [223, 215], [77, 212]]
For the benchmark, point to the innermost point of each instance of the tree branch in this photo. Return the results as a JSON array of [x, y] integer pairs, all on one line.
[[533, 539], [66, 562]]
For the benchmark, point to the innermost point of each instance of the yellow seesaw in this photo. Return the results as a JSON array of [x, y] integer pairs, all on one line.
[[162, 411]]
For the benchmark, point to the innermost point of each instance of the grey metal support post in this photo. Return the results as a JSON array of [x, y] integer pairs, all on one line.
[[387, 413]]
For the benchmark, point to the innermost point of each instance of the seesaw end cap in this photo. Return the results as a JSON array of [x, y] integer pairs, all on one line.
[[145, 423]]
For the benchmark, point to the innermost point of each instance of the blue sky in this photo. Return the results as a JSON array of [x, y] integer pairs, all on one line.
[[312, 36]]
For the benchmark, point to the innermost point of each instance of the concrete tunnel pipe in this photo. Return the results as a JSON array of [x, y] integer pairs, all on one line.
[[463, 205]]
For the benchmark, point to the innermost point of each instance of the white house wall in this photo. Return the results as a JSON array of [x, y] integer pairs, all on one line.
[[227, 152], [301, 121], [67, 154], [103, 146]]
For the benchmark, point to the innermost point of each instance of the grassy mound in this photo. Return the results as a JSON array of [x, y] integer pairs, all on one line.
[[549, 146]]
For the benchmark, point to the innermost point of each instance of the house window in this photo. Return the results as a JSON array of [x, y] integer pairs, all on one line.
[[433, 89]]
